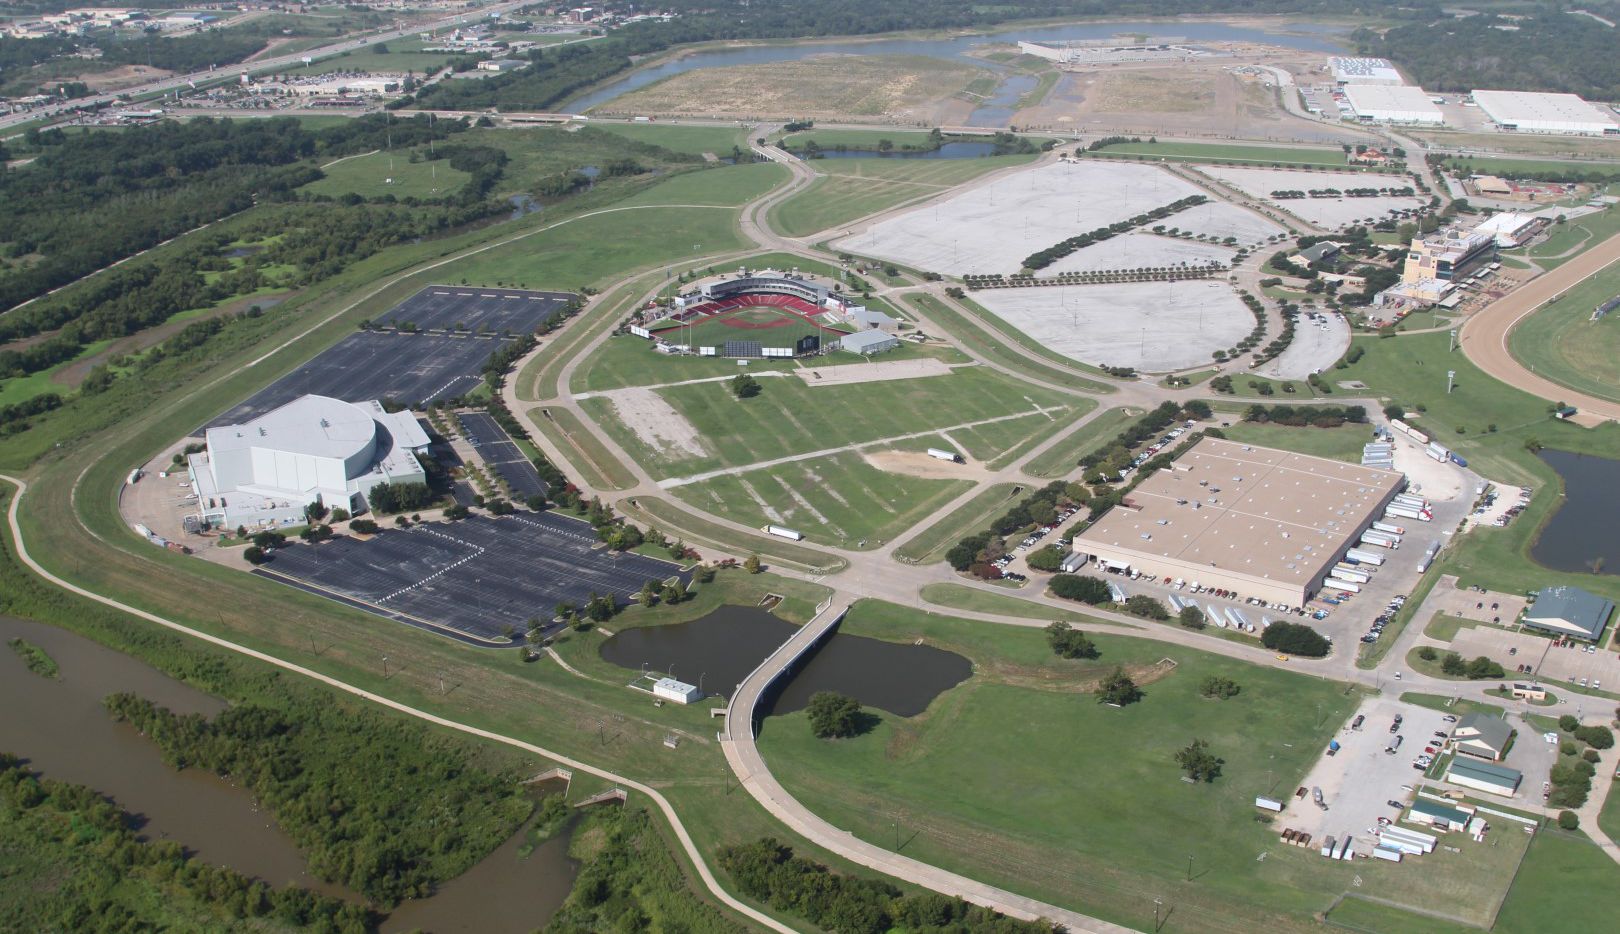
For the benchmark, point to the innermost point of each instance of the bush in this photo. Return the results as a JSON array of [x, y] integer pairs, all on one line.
[[1568, 723], [1119, 689], [833, 715], [254, 554], [1219, 687], [1428, 654], [1146, 607], [363, 526], [1590, 755], [1598, 737], [1092, 590], [1192, 617], [1295, 639], [1049, 558], [1567, 820], [1067, 642]]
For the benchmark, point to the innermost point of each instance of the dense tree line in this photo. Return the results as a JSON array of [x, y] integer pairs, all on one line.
[[1546, 50], [767, 870], [104, 878], [15, 417], [1320, 416], [198, 51], [381, 807], [1295, 639], [1109, 460], [1050, 255]]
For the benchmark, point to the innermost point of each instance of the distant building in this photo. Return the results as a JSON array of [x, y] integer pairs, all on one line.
[[1448, 254], [1439, 815], [1390, 103], [868, 343], [315, 448], [1315, 253], [1484, 776], [1482, 736], [1529, 692], [1370, 71], [1510, 228], [502, 64], [1536, 112], [1568, 611], [867, 318]]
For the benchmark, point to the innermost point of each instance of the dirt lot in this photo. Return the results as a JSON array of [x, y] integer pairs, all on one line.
[[918, 464], [653, 420], [874, 372], [909, 89]]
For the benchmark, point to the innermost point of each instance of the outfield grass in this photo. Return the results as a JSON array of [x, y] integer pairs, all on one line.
[[1561, 342], [382, 173], [839, 500], [1016, 779], [988, 344], [625, 361], [1343, 443], [789, 417], [695, 140], [850, 189], [930, 544], [1063, 458], [1235, 153]]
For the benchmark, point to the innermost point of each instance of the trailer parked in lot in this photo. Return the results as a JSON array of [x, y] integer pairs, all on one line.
[[944, 455], [1437, 452], [1073, 561], [1334, 583], [1410, 499], [782, 531], [1380, 540], [1381, 851], [1389, 527], [1365, 556], [1346, 573], [1407, 512]]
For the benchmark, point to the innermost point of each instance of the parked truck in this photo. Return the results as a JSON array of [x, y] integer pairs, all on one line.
[[782, 531], [1410, 499], [1344, 585], [1073, 561], [1409, 431], [1436, 451], [944, 455], [1365, 557], [1407, 512], [1345, 573], [1457, 460], [1380, 540], [1389, 527]]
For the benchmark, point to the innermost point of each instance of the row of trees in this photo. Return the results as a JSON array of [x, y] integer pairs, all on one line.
[[1052, 254], [1320, 416]]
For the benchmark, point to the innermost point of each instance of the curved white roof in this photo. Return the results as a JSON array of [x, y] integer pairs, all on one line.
[[319, 426]]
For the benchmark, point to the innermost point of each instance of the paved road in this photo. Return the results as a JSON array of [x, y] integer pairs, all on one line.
[[1485, 335], [681, 834]]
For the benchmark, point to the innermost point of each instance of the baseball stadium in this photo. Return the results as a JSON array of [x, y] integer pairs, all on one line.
[[767, 315]]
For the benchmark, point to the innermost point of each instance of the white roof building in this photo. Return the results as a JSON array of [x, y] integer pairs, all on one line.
[[1392, 104], [265, 471], [868, 342], [1509, 228], [1535, 112], [1364, 71]]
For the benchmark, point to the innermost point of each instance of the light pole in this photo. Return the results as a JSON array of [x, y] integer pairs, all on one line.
[[1451, 380], [1189, 867], [1157, 904]]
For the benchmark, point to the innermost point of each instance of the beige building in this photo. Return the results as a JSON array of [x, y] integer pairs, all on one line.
[[1448, 254], [1257, 521]]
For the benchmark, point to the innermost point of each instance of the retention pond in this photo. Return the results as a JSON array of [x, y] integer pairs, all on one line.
[[1580, 535]]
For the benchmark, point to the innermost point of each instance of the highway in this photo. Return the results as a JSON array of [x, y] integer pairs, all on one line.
[[347, 44]]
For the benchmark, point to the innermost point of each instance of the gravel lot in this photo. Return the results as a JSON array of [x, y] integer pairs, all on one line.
[[1140, 251], [1324, 212]]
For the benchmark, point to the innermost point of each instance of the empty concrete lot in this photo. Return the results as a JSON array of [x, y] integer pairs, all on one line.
[[480, 577], [992, 227], [1329, 213], [1557, 668], [1141, 251], [443, 307], [1152, 326]]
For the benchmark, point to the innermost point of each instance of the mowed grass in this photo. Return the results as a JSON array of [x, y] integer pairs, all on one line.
[[1518, 168], [1063, 458], [1569, 239], [931, 543], [850, 189], [858, 139], [1561, 341], [1343, 443], [972, 599], [789, 418], [992, 342], [726, 185], [695, 140], [1220, 152], [382, 173], [1017, 778], [839, 500], [1564, 877]]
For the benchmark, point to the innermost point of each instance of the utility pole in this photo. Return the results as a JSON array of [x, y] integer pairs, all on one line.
[[1451, 380]]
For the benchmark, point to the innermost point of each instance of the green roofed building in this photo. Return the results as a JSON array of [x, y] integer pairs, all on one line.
[[1569, 611], [1425, 811], [1485, 776]]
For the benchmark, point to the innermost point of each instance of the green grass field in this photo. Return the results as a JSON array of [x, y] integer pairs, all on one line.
[[962, 597], [403, 55], [1564, 876], [857, 139], [584, 450], [840, 500], [789, 417], [854, 188], [1569, 239], [1064, 457], [767, 326], [930, 544], [381, 173], [1561, 342], [695, 140], [728, 186], [1017, 778], [1341, 444], [1516, 168], [1221, 152]]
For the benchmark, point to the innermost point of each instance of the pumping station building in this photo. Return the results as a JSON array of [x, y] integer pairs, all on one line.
[[1257, 521]]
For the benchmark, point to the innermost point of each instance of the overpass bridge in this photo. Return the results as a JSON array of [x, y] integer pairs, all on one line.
[[742, 754]]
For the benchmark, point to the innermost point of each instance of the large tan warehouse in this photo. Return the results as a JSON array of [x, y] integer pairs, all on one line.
[[1257, 521]]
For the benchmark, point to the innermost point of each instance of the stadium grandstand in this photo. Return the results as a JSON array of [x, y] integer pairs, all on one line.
[[760, 315]]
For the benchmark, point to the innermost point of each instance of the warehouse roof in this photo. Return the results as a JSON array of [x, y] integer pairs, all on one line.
[[1401, 101], [1570, 609], [1263, 513], [1436, 810], [1364, 69], [1487, 730], [1530, 107]]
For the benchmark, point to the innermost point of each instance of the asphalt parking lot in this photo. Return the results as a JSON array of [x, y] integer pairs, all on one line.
[[1359, 782], [1555, 668], [411, 368], [476, 577], [443, 307], [415, 369], [497, 450]]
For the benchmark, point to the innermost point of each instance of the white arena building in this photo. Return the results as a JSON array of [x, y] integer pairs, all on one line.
[[1535, 112], [1392, 104], [265, 471], [1364, 71]]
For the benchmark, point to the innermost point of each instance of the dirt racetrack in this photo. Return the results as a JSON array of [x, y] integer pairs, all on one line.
[[1485, 335]]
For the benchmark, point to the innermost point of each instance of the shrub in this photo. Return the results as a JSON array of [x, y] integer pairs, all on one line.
[[833, 715], [1119, 689], [1568, 820], [1219, 687], [1192, 617], [1092, 590], [254, 554], [1428, 654], [363, 526], [1598, 737], [1295, 639], [1146, 607], [1568, 723], [1068, 642]]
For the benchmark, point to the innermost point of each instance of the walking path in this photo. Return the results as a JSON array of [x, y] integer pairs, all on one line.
[[681, 834]]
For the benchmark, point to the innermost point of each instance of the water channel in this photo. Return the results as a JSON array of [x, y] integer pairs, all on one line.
[[60, 728], [1580, 535], [721, 648], [996, 110]]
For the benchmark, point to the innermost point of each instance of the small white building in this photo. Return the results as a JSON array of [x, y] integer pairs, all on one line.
[[265, 471], [677, 691], [868, 342]]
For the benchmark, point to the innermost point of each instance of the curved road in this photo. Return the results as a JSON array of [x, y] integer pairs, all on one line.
[[1485, 336]]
